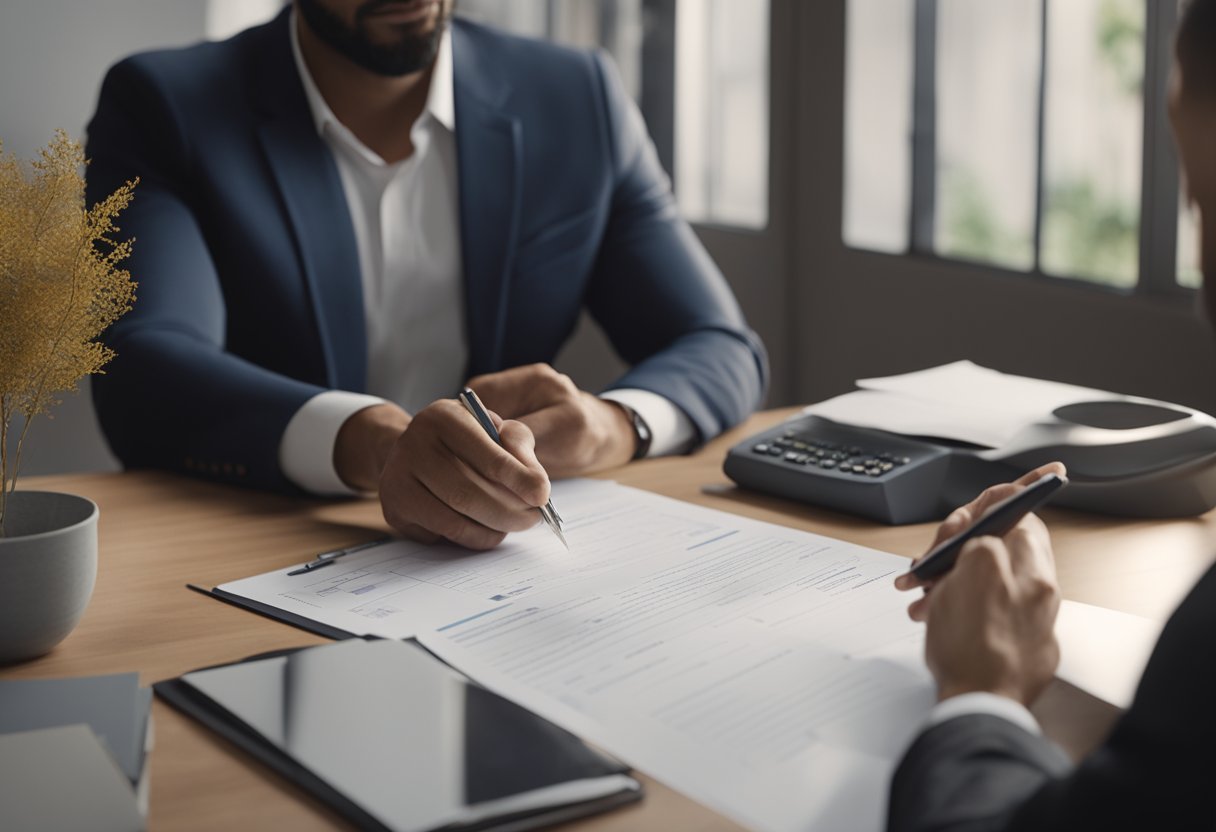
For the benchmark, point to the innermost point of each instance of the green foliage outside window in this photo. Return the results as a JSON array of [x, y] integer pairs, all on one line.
[[1087, 232]]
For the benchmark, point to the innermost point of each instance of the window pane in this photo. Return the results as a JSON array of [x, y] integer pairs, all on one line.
[[721, 130], [878, 124], [1189, 274], [987, 93], [1092, 169], [721, 86], [1188, 247]]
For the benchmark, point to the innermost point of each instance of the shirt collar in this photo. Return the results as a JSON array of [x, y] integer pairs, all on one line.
[[440, 102]]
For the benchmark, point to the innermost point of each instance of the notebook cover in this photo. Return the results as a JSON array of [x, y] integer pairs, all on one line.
[[113, 705]]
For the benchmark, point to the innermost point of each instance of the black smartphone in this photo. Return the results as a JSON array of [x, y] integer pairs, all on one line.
[[996, 521]]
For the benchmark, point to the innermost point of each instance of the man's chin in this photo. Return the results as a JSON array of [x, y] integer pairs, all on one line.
[[384, 33], [412, 13], [404, 58], [388, 27], [395, 39]]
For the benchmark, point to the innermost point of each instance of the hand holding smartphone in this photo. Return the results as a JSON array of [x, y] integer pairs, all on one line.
[[996, 521]]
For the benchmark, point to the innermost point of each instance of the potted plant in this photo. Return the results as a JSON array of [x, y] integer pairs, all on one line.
[[60, 288]]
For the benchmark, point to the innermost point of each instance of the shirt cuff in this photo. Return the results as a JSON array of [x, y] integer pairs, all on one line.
[[671, 431], [306, 451], [984, 703]]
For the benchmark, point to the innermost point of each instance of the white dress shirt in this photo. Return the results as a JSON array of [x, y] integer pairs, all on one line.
[[407, 230], [983, 703]]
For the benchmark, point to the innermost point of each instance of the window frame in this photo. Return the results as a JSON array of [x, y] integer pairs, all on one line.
[[1157, 269]]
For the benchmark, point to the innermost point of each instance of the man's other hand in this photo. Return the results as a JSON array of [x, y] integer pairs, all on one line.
[[576, 432], [991, 619]]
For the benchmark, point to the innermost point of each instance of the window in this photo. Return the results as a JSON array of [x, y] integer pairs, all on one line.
[[878, 124], [1188, 247], [699, 71], [1093, 140], [985, 142], [722, 111], [1014, 134]]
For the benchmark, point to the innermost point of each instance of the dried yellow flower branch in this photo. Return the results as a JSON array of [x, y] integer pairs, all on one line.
[[60, 286]]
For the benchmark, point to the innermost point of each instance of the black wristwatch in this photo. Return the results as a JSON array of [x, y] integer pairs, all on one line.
[[641, 431]]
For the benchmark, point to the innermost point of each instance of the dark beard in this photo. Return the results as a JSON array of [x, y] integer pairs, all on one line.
[[411, 54]]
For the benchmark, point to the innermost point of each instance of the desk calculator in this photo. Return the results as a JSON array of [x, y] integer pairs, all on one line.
[[1126, 456], [883, 476]]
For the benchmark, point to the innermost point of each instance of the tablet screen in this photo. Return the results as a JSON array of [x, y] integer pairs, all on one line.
[[406, 737]]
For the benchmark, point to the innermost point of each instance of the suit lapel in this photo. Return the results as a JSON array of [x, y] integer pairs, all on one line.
[[315, 203], [489, 156]]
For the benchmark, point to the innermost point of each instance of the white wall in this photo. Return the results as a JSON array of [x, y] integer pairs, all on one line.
[[53, 55]]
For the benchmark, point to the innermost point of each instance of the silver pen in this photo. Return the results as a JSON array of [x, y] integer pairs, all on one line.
[[547, 512], [326, 558]]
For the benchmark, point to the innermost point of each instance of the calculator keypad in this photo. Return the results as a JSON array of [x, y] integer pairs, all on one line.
[[800, 449]]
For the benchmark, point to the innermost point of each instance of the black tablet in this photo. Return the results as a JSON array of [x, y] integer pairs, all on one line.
[[395, 739]]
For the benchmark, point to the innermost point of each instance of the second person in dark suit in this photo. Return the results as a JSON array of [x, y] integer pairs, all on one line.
[[982, 765]]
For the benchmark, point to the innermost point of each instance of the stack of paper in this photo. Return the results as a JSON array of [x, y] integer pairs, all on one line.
[[74, 752], [960, 401]]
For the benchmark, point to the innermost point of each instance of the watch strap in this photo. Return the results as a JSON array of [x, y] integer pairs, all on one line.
[[641, 431]]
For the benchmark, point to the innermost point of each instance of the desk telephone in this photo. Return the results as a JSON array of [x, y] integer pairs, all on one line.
[[1126, 456]]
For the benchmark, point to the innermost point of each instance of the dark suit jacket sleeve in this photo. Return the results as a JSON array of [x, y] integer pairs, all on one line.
[[970, 773], [174, 398], [657, 294], [1155, 771]]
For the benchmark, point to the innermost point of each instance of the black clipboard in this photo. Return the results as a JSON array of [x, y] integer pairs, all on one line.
[[568, 753], [274, 613]]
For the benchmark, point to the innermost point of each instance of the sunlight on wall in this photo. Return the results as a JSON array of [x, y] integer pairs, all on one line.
[[227, 17]]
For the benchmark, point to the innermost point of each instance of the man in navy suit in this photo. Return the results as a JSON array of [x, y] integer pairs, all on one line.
[[347, 213], [982, 765]]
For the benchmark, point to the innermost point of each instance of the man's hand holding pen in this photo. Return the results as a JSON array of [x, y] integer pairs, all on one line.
[[477, 410], [990, 619], [441, 475], [444, 477]]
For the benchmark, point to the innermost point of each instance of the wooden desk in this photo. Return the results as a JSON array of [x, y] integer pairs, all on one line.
[[159, 532]]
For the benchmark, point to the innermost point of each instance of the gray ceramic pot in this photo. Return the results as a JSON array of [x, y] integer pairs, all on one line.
[[48, 563]]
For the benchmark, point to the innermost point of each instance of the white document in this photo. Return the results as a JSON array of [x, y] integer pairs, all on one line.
[[401, 588], [960, 401], [769, 673]]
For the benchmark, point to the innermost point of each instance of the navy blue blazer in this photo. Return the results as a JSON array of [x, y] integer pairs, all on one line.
[[250, 301]]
